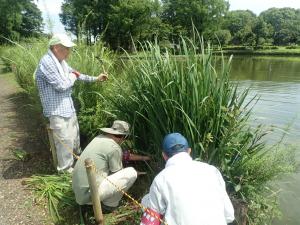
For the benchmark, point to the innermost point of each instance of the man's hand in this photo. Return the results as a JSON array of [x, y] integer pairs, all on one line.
[[102, 77]]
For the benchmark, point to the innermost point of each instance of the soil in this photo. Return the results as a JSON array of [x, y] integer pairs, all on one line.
[[20, 129]]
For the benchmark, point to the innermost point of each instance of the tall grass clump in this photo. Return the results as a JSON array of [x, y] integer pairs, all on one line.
[[23, 59], [56, 190], [191, 94]]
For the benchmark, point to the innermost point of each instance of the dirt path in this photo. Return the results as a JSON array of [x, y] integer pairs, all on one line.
[[19, 129]]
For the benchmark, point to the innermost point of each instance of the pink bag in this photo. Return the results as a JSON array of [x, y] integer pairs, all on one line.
[[151, 217]]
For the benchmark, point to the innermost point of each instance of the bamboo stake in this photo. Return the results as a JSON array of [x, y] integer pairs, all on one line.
[[91, 174], [52, 146]]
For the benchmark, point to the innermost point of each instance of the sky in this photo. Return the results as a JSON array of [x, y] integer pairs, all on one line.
[[256, 6], [51, 9]]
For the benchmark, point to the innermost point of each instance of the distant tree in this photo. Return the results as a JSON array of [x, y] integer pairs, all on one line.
[[85, 18], [68, 17], [31, 20], [136, 20], [264, 32], [117, 21], [285, 37], [19, 18], [205, 15], [285, 22], [222, 37], [240, 23]]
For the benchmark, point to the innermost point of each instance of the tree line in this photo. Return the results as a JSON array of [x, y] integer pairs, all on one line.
[[19, 19], [121, 22]]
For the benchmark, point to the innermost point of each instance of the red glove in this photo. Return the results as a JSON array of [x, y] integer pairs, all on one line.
[[126, 155], [77, 74]]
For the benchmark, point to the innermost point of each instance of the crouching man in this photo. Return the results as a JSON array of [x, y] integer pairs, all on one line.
[[107, 155], [186, 192]]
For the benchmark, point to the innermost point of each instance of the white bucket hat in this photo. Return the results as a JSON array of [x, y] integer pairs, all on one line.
[[62, 39], [119, 127]]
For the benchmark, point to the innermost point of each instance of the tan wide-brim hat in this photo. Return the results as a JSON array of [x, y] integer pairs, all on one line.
[[62, 39], [119, 127]]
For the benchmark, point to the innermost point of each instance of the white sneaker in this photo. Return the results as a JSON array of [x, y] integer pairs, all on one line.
[[70, 170]]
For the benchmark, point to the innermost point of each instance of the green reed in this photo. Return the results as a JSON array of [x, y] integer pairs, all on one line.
[[192, 94]]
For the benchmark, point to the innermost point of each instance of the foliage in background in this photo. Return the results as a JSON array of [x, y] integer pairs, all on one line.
[[286, 24], [206, 16], [120, 22], [19, 19]]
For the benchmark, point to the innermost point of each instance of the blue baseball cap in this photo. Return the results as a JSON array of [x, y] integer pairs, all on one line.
[[174, 143]]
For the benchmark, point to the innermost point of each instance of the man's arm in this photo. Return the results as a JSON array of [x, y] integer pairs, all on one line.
[[155, 200], [154, 204], [127, 156], [115, 159], [228, 208], [87, 78], [84, 77]]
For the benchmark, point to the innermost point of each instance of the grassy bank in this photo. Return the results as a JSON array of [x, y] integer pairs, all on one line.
[[268, 51]]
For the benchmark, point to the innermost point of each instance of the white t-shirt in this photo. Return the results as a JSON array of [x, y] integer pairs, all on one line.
[[188, 192]]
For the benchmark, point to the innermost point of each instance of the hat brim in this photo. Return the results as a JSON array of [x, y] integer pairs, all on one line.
[[68, 44], [112, 131]]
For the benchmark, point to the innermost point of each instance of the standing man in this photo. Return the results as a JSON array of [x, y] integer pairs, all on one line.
[[107, 155], [186, 192], [55, 79]]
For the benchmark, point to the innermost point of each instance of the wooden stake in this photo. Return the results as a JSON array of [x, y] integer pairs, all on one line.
[[52, 146], [91, 174]]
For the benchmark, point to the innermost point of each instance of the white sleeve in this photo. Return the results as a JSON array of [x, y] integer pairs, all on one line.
[[228, 208], [155, 200]]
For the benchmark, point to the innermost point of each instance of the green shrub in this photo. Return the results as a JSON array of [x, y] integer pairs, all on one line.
[[235, 47], [293, 46]]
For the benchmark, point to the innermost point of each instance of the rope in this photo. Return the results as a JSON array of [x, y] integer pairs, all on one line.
[[105, 177]]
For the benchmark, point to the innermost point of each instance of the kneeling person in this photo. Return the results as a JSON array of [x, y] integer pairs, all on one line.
[[106, 153], [186, 192]]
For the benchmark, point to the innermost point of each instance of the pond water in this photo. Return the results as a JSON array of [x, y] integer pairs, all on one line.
[[276, 81]]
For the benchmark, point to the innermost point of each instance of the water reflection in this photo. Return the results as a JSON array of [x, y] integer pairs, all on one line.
[[276, 81], [277, 69]]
